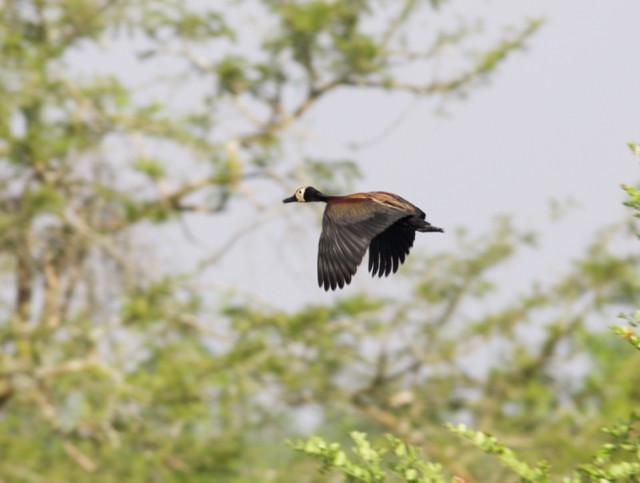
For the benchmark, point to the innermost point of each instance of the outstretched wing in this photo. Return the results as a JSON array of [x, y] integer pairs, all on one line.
[[347, 230], [389, 249]]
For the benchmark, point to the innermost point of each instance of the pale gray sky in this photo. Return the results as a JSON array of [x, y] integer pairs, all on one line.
[[552, 123]]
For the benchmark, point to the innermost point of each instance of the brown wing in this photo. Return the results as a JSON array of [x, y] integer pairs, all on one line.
[[389, 249], [347, 231], [398, 202]]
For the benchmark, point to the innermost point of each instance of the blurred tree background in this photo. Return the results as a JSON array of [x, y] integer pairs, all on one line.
[[113, 369]]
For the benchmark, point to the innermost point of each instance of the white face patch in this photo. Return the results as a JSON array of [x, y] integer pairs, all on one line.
[[300, 195]]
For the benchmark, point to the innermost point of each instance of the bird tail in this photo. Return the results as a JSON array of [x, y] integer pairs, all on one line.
[[420, 224], [427, 227]]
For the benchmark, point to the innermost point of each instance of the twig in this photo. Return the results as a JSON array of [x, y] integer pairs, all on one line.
[[191, 321], [215, 258], [79, 457]]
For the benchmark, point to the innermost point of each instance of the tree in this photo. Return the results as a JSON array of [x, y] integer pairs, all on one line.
[[106, 356]]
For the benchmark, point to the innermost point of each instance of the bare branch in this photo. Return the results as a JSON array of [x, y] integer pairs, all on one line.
[[236, 237], [79, 457]]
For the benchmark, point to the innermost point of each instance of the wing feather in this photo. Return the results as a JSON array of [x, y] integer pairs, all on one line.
[[347, 232], [390, 248]]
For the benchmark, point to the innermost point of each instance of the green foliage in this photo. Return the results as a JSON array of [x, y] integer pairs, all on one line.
[[374, 463], [394, 460], [490, 445], [330, 27], [231, 75], [150, 167], [615, 461], [490, 59], [633, 193], [628, 334], [634, 199]]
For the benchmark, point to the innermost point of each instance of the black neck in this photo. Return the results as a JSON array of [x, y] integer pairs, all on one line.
[[312, 194]]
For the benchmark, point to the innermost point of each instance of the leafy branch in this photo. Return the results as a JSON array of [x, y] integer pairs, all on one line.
[[372, 463]]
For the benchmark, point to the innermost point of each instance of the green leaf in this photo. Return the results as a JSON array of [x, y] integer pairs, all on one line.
[[152, 168]]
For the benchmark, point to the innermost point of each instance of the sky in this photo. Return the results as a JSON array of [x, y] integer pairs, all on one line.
[[552, 123]]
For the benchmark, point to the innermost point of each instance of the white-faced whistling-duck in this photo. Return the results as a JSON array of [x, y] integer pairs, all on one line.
[[383, 222]]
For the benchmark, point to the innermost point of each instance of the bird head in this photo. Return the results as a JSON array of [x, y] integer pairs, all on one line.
[[304, 195]]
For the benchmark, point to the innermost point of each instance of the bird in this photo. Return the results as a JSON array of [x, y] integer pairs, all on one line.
[[383, 222]]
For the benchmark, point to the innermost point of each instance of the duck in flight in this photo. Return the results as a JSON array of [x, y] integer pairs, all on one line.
[[384, 223]]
